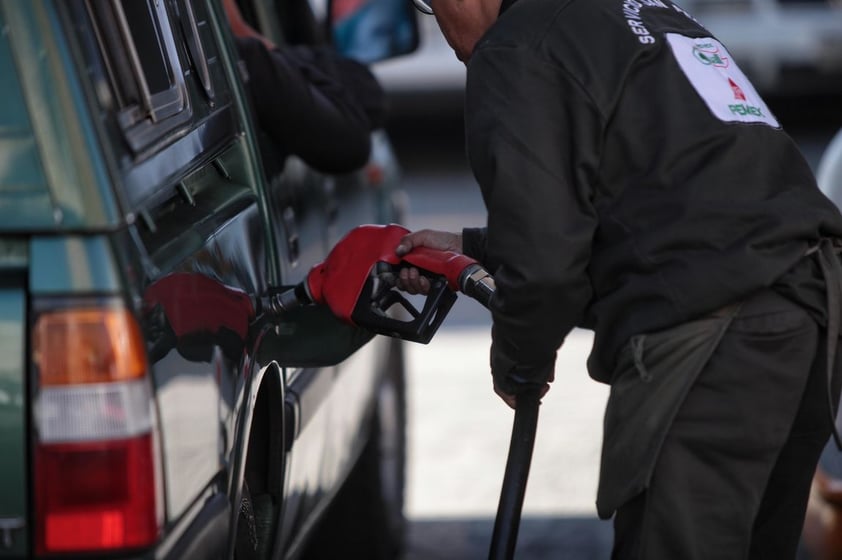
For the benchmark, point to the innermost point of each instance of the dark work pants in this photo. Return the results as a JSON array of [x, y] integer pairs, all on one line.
[[732, 477]]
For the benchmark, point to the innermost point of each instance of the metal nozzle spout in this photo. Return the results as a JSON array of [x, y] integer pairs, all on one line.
[[477, 283], [287, 300]]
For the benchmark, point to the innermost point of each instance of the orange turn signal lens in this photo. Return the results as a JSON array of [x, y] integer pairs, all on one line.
[[88, 345]]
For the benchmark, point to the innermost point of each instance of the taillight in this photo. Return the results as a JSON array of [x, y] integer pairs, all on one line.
[[96, 475]]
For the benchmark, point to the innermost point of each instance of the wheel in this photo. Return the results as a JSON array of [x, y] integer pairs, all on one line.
[[367, 520]]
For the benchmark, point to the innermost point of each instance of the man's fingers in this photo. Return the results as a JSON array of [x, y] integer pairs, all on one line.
[[441, 240], [409, 279], [511, 400], [404, 247], [412, 240], [412, 281]]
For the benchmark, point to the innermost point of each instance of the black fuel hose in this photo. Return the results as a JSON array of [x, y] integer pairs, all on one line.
[[507, 523], [476, 282]]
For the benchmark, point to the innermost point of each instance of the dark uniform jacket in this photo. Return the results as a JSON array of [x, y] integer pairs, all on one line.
[[633, 177]]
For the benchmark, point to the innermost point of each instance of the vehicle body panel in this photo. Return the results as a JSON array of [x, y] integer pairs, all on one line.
[[155, 199], [71, 177], [13, 422]]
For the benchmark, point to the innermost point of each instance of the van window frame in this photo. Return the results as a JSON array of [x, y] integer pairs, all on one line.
[[145, 111]]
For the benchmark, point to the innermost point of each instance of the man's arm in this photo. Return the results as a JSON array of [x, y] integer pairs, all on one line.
[[474, 245], [532, 139]]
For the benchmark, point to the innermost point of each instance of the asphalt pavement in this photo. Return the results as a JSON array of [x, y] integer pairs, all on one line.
[[459, 436]]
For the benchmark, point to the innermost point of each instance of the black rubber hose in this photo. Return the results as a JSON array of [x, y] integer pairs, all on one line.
[[507, 523]]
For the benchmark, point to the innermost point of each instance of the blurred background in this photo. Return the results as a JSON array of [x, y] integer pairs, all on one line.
[[459, 430]]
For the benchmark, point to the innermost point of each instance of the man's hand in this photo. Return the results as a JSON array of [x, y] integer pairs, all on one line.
[[511, 400], [410, 280]]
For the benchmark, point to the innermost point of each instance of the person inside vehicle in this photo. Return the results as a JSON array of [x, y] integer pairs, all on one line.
[[308, 100], [637, 185]]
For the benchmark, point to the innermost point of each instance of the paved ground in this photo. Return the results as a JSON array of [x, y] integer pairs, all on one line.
[[459, 438], [460, 431]]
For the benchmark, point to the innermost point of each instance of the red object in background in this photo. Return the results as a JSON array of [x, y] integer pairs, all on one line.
[[341, 8]]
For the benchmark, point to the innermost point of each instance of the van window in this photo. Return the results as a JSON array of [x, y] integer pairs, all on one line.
[[145, 78]]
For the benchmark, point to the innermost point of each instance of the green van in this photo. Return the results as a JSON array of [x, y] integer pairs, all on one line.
[[148, 408]]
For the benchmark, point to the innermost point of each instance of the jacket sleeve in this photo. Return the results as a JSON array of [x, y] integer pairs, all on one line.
[[473, 245], [533, 137]]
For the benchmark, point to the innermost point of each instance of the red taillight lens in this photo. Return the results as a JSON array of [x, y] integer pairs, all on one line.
[[96, 476], [100, 495]]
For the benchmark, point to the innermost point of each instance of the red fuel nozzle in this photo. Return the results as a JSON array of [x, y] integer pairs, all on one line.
[[462, 272], [357, 282]]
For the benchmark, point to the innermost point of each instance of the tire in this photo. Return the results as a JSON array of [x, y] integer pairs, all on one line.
[[263, 476], [255, 526], [367, 520], [247, 544]]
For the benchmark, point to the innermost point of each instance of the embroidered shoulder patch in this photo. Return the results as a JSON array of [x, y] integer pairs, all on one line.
[[719, 81]]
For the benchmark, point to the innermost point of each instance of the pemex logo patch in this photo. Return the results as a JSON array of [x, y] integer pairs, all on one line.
[[718, 80], [709, 55], [738, 91]]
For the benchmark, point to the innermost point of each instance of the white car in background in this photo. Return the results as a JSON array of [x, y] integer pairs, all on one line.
[[786, 47], [427, 82], [829, 171]]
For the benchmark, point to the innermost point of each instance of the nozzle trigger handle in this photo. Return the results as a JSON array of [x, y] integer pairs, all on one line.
[[461, 271], [449, 264], [371, 311]]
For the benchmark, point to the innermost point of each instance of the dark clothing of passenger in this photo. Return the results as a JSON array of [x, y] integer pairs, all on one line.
[[313, 103]]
